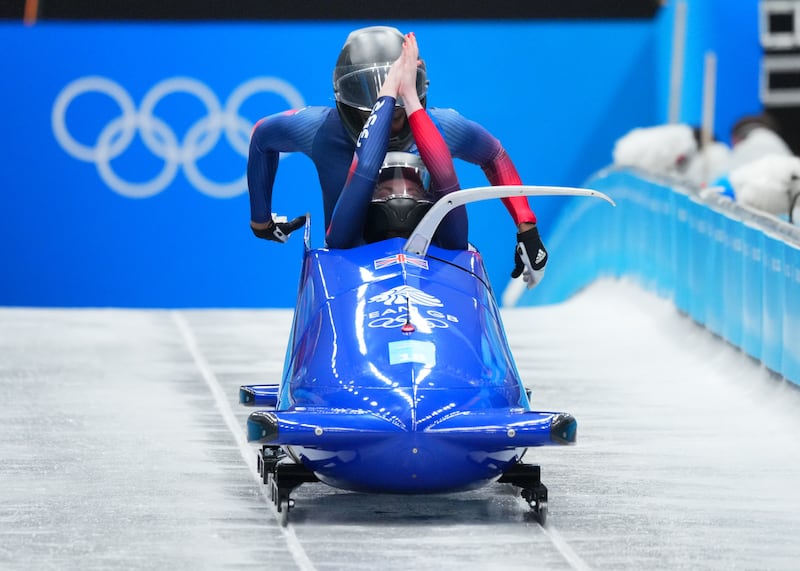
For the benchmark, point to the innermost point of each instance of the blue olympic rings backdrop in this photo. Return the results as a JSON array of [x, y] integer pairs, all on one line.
[[124, 155], [158, 137]]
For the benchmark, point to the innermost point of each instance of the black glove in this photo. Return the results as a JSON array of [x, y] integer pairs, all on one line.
[[530, 257], [279, 231]]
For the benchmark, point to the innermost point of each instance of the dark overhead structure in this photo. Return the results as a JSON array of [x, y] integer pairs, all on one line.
[[779, 27], [324, 10]]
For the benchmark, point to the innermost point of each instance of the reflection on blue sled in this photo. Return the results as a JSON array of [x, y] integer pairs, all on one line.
[[398, 376]]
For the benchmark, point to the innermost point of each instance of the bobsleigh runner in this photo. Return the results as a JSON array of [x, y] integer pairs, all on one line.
[[398, 377]]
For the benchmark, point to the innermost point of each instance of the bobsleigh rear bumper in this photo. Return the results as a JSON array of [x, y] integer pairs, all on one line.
[[328, 429], [363, 452]]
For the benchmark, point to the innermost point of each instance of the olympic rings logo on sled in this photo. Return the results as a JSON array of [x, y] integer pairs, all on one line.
[[388, 322], [159, 137]]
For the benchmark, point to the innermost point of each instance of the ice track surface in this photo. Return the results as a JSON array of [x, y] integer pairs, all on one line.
[[123, 447]]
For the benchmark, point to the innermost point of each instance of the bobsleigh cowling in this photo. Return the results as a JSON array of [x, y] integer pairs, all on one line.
[[398, 378]]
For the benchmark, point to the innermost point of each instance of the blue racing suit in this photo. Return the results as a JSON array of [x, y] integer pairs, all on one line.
[[318, 133], [349, 216]]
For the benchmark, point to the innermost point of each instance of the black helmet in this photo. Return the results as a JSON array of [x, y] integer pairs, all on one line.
[[401, 198], [362, 66]]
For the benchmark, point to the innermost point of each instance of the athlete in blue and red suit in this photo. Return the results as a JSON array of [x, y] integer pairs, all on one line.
[[328, 135], [386, 195]]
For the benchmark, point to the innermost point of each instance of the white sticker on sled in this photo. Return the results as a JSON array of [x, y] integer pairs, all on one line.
[[405, 294], [412, 351]]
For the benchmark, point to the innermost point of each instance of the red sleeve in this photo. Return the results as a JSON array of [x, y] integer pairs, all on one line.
[[453, 232], [501, 171], [434, 152]]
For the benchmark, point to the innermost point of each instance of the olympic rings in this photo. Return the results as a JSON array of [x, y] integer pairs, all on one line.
[[400, 320], [159, 137]]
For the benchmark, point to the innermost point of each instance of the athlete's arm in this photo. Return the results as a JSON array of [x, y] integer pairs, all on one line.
[[471, 142], [288, 132], [454, 230], [501, 171], [347, 223]]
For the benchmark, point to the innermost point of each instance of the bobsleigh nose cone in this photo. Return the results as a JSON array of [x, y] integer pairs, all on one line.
[[564, 429]]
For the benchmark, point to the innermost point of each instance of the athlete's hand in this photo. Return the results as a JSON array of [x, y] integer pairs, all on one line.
[[530, 257], [391, 84], [408, 83], [277, 231]]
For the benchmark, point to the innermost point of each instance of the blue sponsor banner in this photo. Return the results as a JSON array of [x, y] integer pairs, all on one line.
[[753, 290], [732, 285], [125, 151], [697, 274], [663, 246], [773, 303], [791, 316], [715, 273], [682, 252]]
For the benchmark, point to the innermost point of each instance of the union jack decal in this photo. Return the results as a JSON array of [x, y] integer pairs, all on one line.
[[400, 259]]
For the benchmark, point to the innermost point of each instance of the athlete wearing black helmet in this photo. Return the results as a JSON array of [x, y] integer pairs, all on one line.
[[360, 71], [388, 193], [402, 196], [325, 135]]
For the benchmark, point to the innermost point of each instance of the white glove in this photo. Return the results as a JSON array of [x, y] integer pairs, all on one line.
[[532, 277], [530, 257]]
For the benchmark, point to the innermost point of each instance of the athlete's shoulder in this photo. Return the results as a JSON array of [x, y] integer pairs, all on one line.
[[302, 120], [315, 111], [448, 118], [466, 139], [292, 130], [309, 114], [445, 113]]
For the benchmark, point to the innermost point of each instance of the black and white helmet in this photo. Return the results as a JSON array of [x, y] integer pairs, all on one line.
[[360, 71]]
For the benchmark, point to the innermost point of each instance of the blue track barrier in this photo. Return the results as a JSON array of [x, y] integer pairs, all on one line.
[[791, 324], [732, 269]]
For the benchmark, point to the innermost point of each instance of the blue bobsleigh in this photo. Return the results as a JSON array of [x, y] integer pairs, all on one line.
[[398, 376]]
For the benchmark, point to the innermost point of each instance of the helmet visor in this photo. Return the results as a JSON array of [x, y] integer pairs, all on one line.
[[359, 86], [403, 175]]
